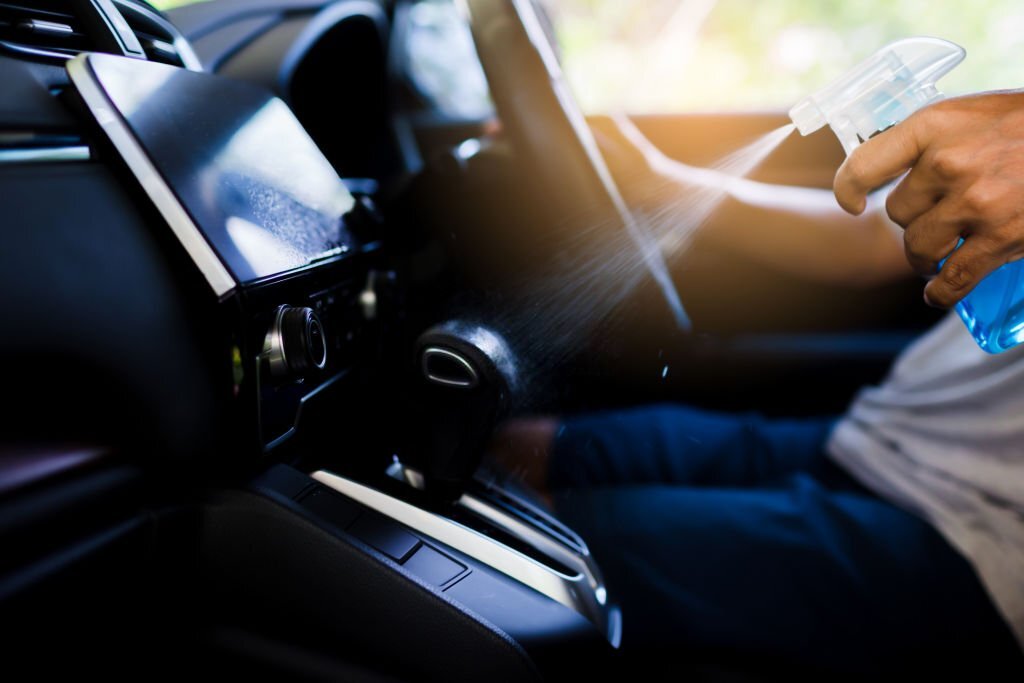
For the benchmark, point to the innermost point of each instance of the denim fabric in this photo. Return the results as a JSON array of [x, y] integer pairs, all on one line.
[[736, 536]]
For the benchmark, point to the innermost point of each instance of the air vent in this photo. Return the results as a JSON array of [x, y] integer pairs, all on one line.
[[160, 40], [50, 29], [47, 25]]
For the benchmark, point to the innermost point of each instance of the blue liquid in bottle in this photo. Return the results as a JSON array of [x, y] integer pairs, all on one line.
[[994, 310]]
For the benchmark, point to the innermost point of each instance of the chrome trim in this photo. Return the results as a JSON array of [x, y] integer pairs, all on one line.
[[485, 340], [34, 155], [188, 56], [274, 353], [35, 51], [396, 470], [275, 347], [472, 380], [582, 592], [52, 28], [583, 563], [368, 300], [576, 556], [154, 185], [181, 45]]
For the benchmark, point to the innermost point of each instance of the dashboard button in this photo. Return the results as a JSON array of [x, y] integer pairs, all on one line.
[[385, 535], [432, 566]]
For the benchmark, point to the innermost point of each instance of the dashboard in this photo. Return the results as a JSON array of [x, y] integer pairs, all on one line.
[[257, 208], [228, 202], [216, 285]]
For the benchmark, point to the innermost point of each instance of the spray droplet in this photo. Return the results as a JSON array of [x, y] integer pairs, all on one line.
[[603, 263]]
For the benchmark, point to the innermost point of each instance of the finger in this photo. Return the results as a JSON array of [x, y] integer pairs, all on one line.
[[877, 161], [916, 194], [931, 238], [966, 267]]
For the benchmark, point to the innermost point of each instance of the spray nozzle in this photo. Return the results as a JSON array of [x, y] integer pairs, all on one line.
[[881, 91]]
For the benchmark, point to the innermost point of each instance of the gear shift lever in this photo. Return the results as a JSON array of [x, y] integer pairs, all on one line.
[[469, 377]]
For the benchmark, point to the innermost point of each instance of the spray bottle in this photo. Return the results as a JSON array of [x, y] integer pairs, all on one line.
[[877, 94]]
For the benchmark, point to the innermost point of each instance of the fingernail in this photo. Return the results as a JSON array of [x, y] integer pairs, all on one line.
[[931, 303]]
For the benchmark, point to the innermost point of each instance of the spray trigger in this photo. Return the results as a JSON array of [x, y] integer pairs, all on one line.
[[881, 91]]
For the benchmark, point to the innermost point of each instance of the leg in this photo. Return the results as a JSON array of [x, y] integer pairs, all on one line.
[[674, 444], [795, 576], [669, 444]]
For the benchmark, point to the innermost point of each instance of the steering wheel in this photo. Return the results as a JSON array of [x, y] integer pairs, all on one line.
[[545, 124]]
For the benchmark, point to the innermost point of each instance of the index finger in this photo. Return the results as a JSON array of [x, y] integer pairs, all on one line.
[[881, 159]]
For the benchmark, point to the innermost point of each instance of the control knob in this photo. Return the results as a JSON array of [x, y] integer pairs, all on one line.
[[295, 346]]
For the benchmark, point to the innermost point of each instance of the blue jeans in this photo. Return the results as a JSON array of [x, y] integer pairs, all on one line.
[[735, 536]]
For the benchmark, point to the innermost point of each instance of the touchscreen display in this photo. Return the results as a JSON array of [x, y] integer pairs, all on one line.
[[238, 161]]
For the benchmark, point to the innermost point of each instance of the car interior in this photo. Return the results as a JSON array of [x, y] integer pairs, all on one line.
[[274, 270]]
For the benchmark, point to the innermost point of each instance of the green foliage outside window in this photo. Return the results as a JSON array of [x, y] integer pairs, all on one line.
[[679, 55], [171, 4], [701, 55]]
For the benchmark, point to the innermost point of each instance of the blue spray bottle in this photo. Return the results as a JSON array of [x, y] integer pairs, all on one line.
[[880, 92]]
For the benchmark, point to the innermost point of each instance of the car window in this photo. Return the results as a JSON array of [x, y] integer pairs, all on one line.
[[700, 55], [171, 4], [442, 62]]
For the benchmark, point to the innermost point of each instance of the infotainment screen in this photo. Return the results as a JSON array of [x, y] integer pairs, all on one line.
[[233, 172]]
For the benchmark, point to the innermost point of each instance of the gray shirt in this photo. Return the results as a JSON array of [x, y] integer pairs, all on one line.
[[943, 436]]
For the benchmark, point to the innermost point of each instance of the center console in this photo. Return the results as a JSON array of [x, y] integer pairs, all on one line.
[[501, 559], [458, 530], [458, 577], [282, 244]]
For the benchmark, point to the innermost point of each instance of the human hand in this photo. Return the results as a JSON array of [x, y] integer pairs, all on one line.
[[966, 180], [521, 447]]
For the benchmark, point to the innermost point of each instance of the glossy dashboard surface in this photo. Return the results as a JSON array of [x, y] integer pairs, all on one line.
[[237, 160]]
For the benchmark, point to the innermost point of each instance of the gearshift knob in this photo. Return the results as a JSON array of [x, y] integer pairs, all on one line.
[[469, 378]]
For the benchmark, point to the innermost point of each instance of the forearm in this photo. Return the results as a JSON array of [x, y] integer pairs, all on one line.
[[795, 229], [803, 232], [799, 230]]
